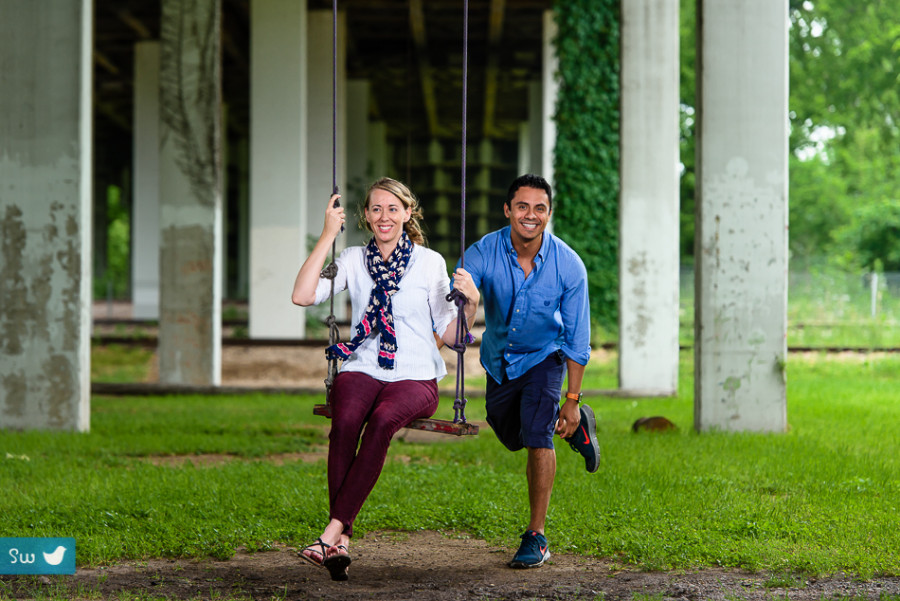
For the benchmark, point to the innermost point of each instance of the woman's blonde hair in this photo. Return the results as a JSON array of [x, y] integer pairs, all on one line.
[[413, 227]]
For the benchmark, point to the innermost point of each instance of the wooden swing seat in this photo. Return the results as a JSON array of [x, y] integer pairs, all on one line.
[[442, 426]]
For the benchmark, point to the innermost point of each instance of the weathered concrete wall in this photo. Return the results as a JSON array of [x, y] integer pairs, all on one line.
[[45, 224], [649, 199], [741, 255], [190, 193], [278, 170]]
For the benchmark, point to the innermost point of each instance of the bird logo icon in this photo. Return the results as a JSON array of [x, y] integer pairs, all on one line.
[[55, 558]]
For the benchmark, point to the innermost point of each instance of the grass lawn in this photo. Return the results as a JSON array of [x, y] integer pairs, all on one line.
[[821, 498]]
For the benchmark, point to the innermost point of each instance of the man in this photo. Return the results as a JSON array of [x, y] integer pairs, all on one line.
[[537, 316]]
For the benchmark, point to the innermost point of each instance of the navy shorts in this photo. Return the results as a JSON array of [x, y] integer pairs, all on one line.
[[523, 412]]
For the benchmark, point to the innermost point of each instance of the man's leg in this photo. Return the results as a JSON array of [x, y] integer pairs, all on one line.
[[539, 410], [540, 471]]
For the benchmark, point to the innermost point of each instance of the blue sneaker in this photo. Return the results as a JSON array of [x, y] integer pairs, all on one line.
[[585, 440], [533, 551]]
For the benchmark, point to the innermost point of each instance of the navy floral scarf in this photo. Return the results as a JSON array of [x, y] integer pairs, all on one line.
[[379, 316]]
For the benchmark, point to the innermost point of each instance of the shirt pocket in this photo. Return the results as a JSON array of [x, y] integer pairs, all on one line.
[[544, 306]]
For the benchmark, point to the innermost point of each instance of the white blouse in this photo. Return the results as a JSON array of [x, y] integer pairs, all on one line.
[[420, 307]]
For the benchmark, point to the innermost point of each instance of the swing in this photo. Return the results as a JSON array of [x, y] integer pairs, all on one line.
[[458, 426]]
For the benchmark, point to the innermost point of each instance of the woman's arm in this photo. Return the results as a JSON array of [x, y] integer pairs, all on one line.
[[305, 285], [462, 281]]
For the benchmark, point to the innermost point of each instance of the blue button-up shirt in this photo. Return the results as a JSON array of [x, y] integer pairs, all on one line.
[[528, 318]]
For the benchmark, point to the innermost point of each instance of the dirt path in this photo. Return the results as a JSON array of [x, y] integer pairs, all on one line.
[[425, 566]]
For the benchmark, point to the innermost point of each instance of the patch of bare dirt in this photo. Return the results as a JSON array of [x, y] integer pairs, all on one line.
[[299, 366], [426, 566], [217, 459]]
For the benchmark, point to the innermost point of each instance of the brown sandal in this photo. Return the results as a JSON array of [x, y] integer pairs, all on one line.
[[319, 547]]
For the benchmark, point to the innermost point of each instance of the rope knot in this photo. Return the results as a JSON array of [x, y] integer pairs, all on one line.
[[458, 298], [459, 410], [329, 271]]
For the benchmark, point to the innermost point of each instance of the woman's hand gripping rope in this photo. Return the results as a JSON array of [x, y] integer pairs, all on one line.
[[465, 296]]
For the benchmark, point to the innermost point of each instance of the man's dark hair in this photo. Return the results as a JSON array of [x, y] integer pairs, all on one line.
[[529, 180]]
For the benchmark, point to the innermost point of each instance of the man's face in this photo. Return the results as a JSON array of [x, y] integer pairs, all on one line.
[[529, 213]]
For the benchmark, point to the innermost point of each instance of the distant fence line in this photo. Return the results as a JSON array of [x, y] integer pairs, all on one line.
[[826, 296]]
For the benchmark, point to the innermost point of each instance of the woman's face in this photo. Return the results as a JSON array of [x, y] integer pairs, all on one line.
[[386, 215]]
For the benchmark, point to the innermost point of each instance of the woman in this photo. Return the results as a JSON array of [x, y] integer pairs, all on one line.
[[391, 366]]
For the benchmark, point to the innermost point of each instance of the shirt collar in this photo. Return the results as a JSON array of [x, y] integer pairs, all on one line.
[[506, 235]]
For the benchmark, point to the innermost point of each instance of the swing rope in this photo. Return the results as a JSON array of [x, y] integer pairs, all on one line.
[[463, 336], [459, 426], [330, 271]]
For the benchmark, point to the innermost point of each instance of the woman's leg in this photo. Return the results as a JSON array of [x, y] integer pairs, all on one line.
[[397, 405], [354, 396]]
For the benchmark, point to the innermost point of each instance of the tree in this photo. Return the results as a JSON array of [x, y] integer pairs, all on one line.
[[845, 119], [874, 234], [845, 125]]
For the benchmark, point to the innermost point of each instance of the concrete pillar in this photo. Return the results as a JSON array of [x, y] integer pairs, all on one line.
[[242, 160], [319, 159], [741, 256], [145, 217], [45, 214], [524, 157], [549, 92], [319, 181], [378, 151], [358, 92], [278, 166], [190, 328], [531, 133], [649, 198]]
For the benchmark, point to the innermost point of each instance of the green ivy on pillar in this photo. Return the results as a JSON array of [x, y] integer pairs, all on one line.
[[586, 157]]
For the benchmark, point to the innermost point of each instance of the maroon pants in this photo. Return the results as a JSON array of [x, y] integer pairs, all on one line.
[[360, 400]]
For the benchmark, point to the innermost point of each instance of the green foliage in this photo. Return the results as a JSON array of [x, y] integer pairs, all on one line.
[[687, 63], [845, 125], [586, 159], [845, 122], [844, 62], [117, 272], [818, 205], [874, 233]]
